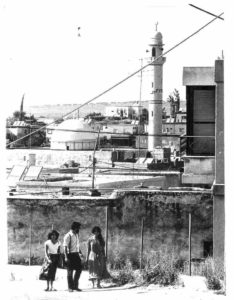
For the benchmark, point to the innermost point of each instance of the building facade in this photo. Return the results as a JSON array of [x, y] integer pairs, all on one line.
[[204, 143]]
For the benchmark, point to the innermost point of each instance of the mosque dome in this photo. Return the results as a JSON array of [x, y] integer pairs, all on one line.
[[158, 36], [157, 39], [73, 134]]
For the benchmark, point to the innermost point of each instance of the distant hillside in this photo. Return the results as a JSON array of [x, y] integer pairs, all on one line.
[[58, 110]]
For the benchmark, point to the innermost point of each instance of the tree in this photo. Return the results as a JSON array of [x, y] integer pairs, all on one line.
[[95, 116], [17, 114], [174, 100], [164, 113], [144, 115]]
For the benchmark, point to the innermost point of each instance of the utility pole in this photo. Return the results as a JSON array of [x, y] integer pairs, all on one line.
[[190, 248], [93, 191], [142, 242], [139, 125]]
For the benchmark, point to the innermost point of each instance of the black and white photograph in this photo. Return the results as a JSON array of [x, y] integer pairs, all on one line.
[[113, 149]]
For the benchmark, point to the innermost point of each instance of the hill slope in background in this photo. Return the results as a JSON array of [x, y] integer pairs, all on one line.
[[59, 110]]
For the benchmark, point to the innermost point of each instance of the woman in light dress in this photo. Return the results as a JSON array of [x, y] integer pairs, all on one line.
[[52, 252], [96, 258]]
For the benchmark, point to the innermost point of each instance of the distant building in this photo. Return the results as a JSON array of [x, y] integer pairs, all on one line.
[[124, 111], [17, 131], [176, 125], [73, 134], [127, 128], [170, 126], [19, 128], [121, 134], [49, 131]]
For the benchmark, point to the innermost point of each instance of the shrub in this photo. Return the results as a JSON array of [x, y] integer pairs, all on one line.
[[124, 275], [158, 268], [214, 273], [117, 262], [35, 260], [161, 268]]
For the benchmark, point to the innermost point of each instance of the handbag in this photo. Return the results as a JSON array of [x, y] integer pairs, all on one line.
[[43, 275]]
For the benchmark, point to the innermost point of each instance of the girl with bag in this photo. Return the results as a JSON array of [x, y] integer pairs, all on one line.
[[52, 254]]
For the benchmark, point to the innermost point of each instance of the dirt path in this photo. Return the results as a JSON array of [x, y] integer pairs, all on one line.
[[23, 284]]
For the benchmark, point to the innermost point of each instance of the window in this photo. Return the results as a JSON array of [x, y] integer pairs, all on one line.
[[207, 248], [152, 113]]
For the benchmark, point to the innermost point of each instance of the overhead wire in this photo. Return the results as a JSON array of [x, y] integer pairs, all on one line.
[[206, 11], [123, 80]]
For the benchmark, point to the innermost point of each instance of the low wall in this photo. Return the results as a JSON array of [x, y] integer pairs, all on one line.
[[55, 158], [165, 214]]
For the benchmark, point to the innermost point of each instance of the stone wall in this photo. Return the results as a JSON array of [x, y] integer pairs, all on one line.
[[165, 214]]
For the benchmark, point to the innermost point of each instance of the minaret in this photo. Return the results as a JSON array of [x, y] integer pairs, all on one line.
[[155, 104], [21, 109]]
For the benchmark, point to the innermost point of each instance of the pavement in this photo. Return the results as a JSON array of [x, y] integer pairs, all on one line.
[[23, 284]]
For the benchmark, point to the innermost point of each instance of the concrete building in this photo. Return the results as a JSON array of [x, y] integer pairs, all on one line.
[[204, 143], [124, 111], [176, 125], [155, 104], [73, 134]]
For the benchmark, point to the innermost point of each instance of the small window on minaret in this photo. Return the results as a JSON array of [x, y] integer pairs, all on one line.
[[152, 84], [152, 113], [153, 52]]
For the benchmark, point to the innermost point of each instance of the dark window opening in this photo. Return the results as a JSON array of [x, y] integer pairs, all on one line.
[[67, 147], [207, 248], [153, 52]]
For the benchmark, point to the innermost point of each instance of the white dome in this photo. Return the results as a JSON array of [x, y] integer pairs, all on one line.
[[158, 36], [73, 130]]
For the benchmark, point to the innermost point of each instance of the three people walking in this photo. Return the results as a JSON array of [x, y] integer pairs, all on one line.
[[95, 258]]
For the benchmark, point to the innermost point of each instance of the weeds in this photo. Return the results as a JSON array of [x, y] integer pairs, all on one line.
[[124, 275], [35, 260], [161, 268], [214, 273], [158, 268]]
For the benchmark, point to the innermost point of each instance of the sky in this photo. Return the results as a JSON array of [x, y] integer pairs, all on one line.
[[45, 59]]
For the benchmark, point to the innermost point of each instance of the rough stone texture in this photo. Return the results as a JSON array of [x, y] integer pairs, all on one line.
[[165, 214]]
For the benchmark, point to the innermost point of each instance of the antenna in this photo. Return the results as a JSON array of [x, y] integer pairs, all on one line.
[[222, 56]]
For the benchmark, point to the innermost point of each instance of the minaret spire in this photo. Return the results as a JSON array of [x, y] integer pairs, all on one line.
[[156, 26], [22, 108]]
